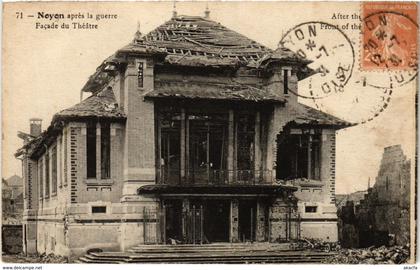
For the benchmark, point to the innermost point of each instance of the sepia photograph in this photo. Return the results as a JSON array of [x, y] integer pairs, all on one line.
[[213, 132]]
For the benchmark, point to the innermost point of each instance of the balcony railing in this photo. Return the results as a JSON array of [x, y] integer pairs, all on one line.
[[218, 177]]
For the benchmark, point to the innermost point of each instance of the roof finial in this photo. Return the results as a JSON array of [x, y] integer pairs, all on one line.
[[369, 183], [207, 12], [137, 35], [174, 13]]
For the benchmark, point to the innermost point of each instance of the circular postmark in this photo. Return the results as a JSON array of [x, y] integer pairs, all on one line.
[[388, 53], [359, 105], [332, 55], [387, 61]]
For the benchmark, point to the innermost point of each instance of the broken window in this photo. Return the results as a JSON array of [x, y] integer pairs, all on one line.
[[140, 75], [299, 156], [47, 174], [41, 177], [54, 170], [65, 156], [400, 178], [245, 128], [98, 209], [105, 151], [310, 209], [315, 156], [285, 81], [91, 149], [170, 151], [207, 147], [60, 161]]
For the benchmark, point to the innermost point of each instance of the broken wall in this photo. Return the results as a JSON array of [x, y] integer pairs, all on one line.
[[384, 212]]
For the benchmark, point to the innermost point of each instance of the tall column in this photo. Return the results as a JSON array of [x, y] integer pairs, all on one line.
[[182, 144], [278, 221], [187, 149], [139, 148], [185, 212], [30, 173], [260, 226], [257, 152], [98, 151], [231, 142], [234, 221]]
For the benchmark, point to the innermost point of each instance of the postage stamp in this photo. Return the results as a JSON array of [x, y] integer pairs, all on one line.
[[389, 36]]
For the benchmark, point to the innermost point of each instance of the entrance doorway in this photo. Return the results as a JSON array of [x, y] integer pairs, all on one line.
[[173, 220], [201, 222], [216, 220], [247, 220]]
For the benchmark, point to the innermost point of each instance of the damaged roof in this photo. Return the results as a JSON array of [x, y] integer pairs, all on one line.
[[194, 41], [306, 115], [212, 91], [101, 105], [194, 35], [282, 54], [201, 61]]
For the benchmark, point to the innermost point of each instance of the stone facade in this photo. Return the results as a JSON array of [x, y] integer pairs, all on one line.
[[68, 213]]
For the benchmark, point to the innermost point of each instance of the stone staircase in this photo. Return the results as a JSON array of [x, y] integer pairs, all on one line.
[[211, 253]]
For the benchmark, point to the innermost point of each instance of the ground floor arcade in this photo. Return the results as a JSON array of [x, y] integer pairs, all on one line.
[[204, 215]]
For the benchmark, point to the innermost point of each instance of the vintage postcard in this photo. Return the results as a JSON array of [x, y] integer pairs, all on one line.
[[209, 132]]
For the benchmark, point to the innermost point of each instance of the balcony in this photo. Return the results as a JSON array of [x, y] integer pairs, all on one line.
[[218, 177]]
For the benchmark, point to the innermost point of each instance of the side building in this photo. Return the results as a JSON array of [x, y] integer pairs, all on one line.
[[192, 134]]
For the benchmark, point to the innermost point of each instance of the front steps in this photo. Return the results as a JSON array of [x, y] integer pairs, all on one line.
[[212, 253]]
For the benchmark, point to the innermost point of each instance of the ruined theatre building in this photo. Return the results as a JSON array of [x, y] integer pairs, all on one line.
[[192, 134]]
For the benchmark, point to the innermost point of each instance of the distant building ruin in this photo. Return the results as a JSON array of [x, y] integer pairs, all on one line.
[[384, 213], [12, 213]]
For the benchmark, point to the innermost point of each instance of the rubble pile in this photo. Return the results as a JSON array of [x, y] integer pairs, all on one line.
[[50, 258], [21, 258], [372, 255], [317, 244]]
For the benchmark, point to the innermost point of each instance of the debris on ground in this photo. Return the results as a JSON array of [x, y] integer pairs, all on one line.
[[316, 244], [372, 255], [43, 258]]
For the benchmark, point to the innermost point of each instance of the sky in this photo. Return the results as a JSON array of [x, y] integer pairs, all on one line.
[[44, 71]]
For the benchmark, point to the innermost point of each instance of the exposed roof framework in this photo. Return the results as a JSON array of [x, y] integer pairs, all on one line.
[[196, 42], [99, 105], [197, 36]]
